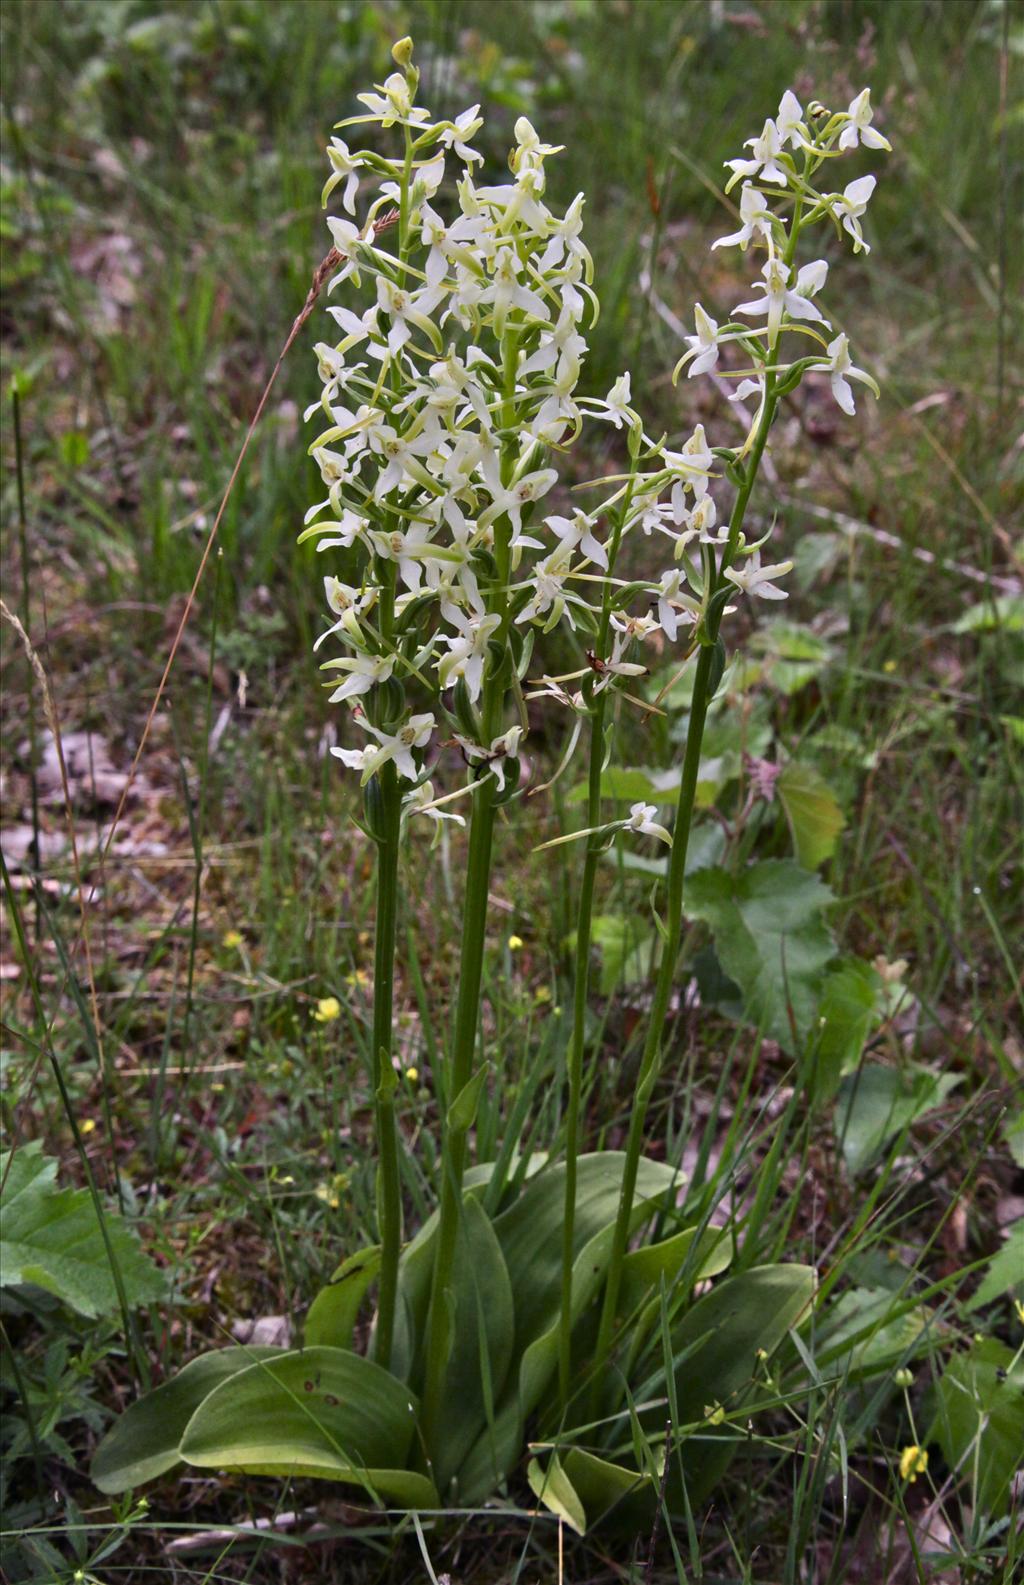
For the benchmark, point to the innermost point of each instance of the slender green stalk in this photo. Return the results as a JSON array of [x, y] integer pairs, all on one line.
[[581, 981], [650, 1062], [389, 1184], [474, 926], [471, 957], [581, 985], [33, 755]]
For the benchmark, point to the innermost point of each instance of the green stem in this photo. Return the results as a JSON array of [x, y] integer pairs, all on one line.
[[474, 929], [581, 985], [389, 1183], [581, 978], [453, 1156], [650, 1062]]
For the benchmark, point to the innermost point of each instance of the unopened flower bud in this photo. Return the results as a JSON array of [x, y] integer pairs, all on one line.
[[401, 53]]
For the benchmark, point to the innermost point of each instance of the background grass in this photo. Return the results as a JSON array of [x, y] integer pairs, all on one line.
[[161, 166]]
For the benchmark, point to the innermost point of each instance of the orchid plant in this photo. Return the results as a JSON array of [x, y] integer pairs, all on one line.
[[450, 397]]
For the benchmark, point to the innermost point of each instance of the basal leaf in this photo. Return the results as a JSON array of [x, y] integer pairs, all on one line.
[[52, 1238], [609, 1490], [481, 1353], [813, 812], [770, 938], [144, 1442], [320, 1412], [552, 1487], [719, 1343], [332, 1315]]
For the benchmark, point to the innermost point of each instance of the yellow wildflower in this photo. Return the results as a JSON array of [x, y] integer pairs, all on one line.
[[514, 943], [232, 939], [328, 1008], [542, 994], [412, 1074], [913, 1462], [88, 1126]]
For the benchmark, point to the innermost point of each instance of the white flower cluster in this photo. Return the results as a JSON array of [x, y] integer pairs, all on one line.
[[463, 384], [787, 156]]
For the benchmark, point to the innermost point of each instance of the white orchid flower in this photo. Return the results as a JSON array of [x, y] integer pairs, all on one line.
[[421, 801], [790, 120], [841, 371], [505, 746], [859, 129], [641, 819], [756, 220], [457, 136], [778, 298], [752, 578], [396, 746], [673, 605], [704, 345], [393, 105], [364, 673], [345, 167], [766, 148], [850, 205], [578, 531], [467, 651]]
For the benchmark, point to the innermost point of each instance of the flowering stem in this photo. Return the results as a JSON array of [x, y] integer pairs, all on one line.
[[581, 977], [650, 1062], [389, 1188], [453, 1156]]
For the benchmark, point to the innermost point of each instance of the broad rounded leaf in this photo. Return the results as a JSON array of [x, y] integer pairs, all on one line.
[[144, 1442], [332, 1315], [552, 1487], [321, 1412]]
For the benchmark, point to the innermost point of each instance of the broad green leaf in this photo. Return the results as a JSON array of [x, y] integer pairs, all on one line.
[[771, 939], [1005, 1274], [332, 1315], [52, 1238], [794, 655], [610, 1490], [869, 1330], [144, 1442], [321, 1412], [530, 1231], [979, 1421], [481, 1349], [552, 1487], [530, 1236], [721, 1339], [848, 1014], [702, 1255], [877, 1102], [813, 812]]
